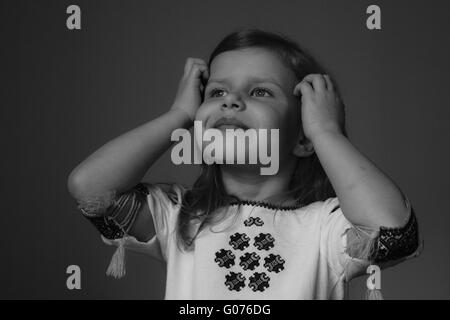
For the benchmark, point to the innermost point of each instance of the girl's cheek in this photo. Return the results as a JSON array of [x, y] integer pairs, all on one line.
[[270, 117], [203, 111]]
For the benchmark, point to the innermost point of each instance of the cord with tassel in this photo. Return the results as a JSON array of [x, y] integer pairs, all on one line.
[[116, 267], [362, 246], [109, 213], [374, 283]]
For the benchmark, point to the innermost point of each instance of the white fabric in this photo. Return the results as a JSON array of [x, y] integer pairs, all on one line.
[[311, 240]]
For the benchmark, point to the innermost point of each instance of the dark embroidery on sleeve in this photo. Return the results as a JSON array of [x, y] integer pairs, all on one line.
[[225, 258], [239, 241], [274, 263], [396, 243], [264, 241], [235, 281], [259, 281], [107, 228], [130, 201], [141, 188], [249, 261], [253, 221]]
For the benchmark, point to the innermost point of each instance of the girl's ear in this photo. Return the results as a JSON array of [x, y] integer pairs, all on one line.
[[304, 147]]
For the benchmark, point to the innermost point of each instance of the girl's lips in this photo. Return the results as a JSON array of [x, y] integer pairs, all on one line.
[[229, 126], [229, 123]]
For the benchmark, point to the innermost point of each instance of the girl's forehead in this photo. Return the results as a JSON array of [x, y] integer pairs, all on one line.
[[251, 63]]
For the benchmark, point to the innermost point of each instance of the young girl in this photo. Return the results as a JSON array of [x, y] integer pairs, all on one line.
[[302, 233]]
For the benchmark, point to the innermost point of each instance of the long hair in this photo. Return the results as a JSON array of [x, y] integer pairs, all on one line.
[[308, 184]]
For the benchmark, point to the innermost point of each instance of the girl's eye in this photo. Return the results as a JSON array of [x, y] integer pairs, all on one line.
[[258, 92], [261, 92], [214, 93]]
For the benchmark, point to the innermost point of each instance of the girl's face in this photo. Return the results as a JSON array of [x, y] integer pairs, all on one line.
[[253, 86]]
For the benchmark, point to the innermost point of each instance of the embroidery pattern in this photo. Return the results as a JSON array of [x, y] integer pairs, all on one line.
[[259, 281], [253, 221], [274, 263], [264, 241], [249, 261], [396, 243], [239, 241], [225, 258], [108, 226], [235, 281]]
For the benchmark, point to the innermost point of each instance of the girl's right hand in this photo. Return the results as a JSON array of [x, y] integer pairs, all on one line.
[[190, 88]]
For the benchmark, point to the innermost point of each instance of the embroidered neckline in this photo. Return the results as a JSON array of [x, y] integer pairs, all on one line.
[[266, 205]]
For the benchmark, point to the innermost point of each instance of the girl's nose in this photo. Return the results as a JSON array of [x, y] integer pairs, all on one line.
[[232, 101]]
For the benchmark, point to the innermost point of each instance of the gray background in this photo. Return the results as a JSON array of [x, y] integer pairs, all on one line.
[[65, 93]]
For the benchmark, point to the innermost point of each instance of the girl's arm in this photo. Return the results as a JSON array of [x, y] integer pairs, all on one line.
[[120, 164], [367, 196]]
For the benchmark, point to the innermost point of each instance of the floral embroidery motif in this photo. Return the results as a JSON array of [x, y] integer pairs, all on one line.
[[249, 261], [235, 281], [225, 258], [264, 241], [259, 281], [253, 221], [239, 241], [274, 263]]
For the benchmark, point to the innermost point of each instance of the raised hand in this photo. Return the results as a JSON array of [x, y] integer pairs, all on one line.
[[322, 109], [190, 88]]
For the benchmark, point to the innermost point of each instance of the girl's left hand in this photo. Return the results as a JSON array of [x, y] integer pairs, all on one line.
[[322, 110]]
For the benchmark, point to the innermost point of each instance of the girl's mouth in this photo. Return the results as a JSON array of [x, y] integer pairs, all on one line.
[[229, 123], [230, 126]]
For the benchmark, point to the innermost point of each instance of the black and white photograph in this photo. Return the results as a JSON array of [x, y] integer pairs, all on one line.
[[225, 150]]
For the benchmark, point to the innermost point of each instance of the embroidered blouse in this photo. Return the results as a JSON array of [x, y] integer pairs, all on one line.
[[260, 251]]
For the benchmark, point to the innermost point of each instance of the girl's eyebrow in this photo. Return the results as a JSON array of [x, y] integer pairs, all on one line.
[[250, 79]]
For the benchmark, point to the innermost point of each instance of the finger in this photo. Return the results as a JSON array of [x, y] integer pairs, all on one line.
[[188, 65], [198, 71], [316, 80], [190, 61], [303, 88], [199, 61], [205, 73], [199, 67], [330, 85]]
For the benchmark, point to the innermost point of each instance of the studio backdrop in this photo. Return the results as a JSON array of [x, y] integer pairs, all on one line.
[[68, 87]]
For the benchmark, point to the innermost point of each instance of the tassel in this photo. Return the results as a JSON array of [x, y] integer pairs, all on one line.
[[362, 246], [116, 268], [374, 294]]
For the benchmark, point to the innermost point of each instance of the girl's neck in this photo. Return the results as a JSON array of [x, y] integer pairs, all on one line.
[[246, 182]]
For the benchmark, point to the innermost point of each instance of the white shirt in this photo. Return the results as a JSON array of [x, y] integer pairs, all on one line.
[[298, 253]]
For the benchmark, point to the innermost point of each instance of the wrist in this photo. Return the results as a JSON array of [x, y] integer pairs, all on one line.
[[182, 117], [325, 134]]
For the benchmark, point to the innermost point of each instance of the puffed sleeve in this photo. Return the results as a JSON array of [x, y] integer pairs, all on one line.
[[163, 201], [350, 249], [113, 215]]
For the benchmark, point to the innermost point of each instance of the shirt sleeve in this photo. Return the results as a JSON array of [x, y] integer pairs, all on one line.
[[384, 247], [164, 202]]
